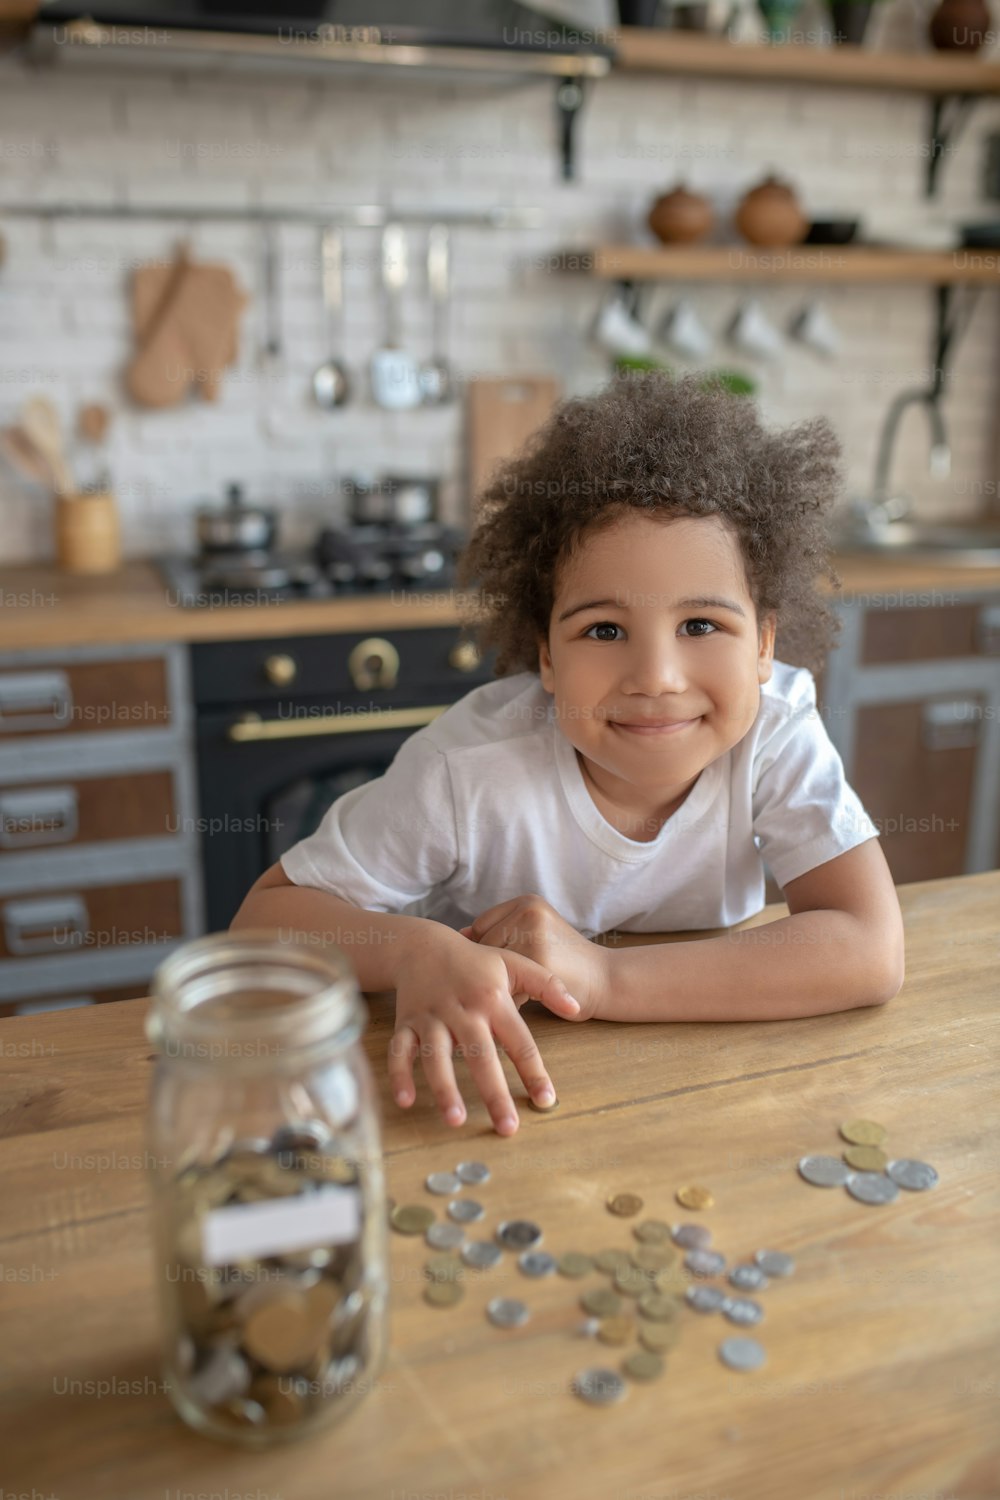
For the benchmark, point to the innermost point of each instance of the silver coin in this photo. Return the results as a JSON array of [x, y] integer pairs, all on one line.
[[599, 1387], [507, 1312], [742, 1354], [519, 1234], [706, 1299], [482, 1254], [472, 1172], [705, 1262], [774, 1262], [465, 1210], [445, 1236], [748, 1278], [872, 1187], [743, 1310], [443, 1183], [691, 1236], [915, 1176], [537, 1263], [824, 1171]]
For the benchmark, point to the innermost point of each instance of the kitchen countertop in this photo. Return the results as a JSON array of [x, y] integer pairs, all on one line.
[[881, 1350], [43, 608]]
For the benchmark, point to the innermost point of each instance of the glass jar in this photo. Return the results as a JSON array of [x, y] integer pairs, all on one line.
[[268, 1187]]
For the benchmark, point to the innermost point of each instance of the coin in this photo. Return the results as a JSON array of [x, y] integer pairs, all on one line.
[[445, 1236], [519, 1234], [742, 1354], [624, 1204], [465, 1210], [542, 1109], [599, 1387], [653, 1257], [443, 1183], [601, 1302], [507, 1312], [748, 1278], [631, 1281], [642, 1364], [872, 1187], [705, 1262], [657, 1307], [282, 1402], [774, 1262], [691, 1236], [743, 1310], [615, 1330], [444, 1293], [574, 1264], [672, 1281], [915, 1176], [694, 1197], [863, 1132], [536, 1263], [411, 1218], [610, 1261], [659, 1336], [282, 1333], [652, 1232], [824, 1171], [472, 1172], [866, 1158], [481, 1254], [706, 1299], [443, 1267]]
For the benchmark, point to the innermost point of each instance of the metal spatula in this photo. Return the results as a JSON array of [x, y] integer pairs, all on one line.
[[395, 376]]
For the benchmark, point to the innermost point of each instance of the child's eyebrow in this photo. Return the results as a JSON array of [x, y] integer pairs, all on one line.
[[703, 602]]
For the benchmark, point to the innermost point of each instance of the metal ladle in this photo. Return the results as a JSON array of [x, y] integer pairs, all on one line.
[[331, 384]]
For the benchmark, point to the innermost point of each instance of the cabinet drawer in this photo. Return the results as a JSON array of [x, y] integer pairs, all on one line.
[[84, 697], [90, 919], [83, 996], [930, 634], [85, 811]]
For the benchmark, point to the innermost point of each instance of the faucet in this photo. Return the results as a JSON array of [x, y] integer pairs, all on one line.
[[885, 507]]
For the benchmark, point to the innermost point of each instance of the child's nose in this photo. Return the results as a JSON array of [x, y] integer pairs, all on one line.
[[654, 667]]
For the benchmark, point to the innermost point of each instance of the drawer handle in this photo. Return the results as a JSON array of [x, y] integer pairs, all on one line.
[[46, 925], [253, 728], [35, 700], [465, 656], [43, 815], [950, 725], [280, 669], [374, 663], [988, 630]]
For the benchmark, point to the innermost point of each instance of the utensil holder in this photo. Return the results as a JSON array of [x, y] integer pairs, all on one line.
[[88, 538]]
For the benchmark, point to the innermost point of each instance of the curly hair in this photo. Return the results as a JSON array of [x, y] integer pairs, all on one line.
[[653, 445]]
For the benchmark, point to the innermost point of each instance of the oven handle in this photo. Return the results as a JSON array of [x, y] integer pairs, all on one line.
[[252, 727]]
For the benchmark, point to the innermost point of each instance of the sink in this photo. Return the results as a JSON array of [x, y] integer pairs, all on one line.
[[973, 545]]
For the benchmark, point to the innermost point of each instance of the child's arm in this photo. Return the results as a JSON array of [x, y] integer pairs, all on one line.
[[841, 947]]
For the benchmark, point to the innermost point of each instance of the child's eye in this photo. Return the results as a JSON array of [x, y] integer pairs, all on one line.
[[601, 625], [710, 631]]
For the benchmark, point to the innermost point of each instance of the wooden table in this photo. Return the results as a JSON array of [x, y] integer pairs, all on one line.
[[882, 1372]]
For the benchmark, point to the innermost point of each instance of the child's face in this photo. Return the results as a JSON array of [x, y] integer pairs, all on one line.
[[654, 650]]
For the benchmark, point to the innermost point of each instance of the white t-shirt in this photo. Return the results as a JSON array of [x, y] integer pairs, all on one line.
[[488, 802]]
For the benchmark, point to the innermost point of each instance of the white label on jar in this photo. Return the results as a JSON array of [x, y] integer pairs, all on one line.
[[327, 1217]]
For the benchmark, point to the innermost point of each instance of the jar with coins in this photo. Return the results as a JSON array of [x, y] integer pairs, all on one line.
[[268, 1188]]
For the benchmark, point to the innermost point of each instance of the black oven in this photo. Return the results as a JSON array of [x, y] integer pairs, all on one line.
[[285, 726]]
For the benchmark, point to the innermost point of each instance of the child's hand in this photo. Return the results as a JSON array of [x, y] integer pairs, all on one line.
[[456, 999], [530, 926]]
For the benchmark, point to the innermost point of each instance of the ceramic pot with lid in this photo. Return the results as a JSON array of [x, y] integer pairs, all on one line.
[[680, 217], [769, 214], [236, 526]]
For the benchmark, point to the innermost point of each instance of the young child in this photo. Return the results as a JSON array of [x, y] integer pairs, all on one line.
[[640, 755]]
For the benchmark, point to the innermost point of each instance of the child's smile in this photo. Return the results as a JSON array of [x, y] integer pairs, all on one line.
[[654, 660]]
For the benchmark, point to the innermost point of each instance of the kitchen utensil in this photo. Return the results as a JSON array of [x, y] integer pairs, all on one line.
[[501, 415], [769, 214], [680, 217], [236, 527], [186, 319], [331, 385], [40, 421], [88, 538], [685, 333], [21, 453], [435, 377], [92, 423], [394, 375], [753, 333], [271, 345], [400, 500], [814, 328], [617, 330]]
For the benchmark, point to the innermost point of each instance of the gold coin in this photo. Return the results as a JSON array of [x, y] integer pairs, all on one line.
[[610, 1261], [657, 1337], [625, 1204], [444, 1293], [632, 1281], [653, 1257], [280, 1399], [652, 1232], [643, 1364], [542, 1109], [411, 1218], [673, 1281], [283, 1333], [444, 1267], [574, 1264], [658, 1308], [601, 1302], [863, 1132], [615, 1330], [866, 1158], [694, 1197]]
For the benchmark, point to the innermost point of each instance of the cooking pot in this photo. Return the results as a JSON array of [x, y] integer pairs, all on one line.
[[236, 526], [398, 500]]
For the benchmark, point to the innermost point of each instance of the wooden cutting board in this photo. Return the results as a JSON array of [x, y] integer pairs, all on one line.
[[501, 415]]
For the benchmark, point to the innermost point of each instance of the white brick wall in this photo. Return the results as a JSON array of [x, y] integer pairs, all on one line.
[[149, 139]]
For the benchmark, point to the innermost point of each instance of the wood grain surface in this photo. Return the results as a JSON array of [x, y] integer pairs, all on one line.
[[881, 1380]]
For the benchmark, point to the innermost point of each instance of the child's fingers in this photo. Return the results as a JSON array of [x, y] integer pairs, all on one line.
[[535, 981], [439, 1070], [483, 1061], [404, 1045], [522, 1049]]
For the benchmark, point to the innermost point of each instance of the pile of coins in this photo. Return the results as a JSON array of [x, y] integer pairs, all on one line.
[[267, 1341], [865, 1169]]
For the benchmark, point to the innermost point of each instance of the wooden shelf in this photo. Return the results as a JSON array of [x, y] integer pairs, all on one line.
[[684, 53], [817, 263]]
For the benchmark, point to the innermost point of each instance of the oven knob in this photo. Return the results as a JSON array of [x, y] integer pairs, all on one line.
[[464, 657], [374, 663], [280, 669]]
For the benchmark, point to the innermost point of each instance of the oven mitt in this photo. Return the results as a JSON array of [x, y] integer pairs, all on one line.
[[186, 319]]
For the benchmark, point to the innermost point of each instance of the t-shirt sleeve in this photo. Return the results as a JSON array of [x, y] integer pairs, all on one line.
[[805, 811], [387, 843]]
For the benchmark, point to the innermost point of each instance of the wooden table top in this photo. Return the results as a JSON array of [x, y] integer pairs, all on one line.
[[881, 1375]]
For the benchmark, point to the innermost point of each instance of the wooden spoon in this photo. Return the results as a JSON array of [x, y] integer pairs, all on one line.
[[40, 422]]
